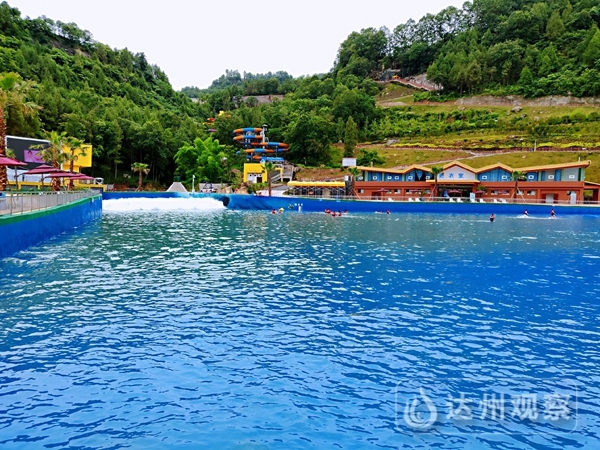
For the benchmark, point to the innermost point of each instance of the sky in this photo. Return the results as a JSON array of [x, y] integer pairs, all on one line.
[[195, 41]]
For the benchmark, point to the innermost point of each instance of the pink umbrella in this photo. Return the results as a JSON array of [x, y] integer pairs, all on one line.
[[41, 170], [82, 176], [62, 174], [6, 161]]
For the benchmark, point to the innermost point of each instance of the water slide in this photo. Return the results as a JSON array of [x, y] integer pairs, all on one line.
[[256, 144]]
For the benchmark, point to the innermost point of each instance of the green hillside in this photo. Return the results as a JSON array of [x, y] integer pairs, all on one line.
[[113, 99], [524, 47]]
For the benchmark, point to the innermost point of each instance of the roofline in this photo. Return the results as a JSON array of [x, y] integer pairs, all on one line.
[[481, 169], [28, 139], [458, 163], [555, 166], [493, 166], [402, 171]]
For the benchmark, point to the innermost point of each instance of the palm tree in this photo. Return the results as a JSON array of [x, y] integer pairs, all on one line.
[[74, 144], [11, 154], [142, 169], [13, 90], [354, 172], [269, 167], [435, 171], [516, 176], [53, 154]]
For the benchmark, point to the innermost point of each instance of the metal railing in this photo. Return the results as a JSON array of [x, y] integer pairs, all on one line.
[[12, 203], [428, 199]]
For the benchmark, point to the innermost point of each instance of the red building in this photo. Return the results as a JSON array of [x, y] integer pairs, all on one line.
[[554, 183]]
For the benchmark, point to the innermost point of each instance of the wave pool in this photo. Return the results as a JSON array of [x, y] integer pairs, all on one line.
[[180, 324]]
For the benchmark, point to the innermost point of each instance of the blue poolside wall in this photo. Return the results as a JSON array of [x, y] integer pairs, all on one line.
[[19, 232], [256, 202]]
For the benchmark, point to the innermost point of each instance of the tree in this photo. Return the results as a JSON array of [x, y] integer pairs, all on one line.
[[350, 138], [206, 159], [517, 176], [369, 158], [13, 93], [309, 136], [362, 52], [526, 81], [75, 145], [435, 171], [142, 169], [53, 154], [11, 154], [354, 172], [592, 52], [555, 27], [269, 167]]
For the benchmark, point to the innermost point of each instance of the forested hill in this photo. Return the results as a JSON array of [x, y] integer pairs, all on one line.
[[524, 47], [113, 99]]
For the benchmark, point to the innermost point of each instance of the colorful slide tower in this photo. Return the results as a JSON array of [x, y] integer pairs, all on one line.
[[256, 145]]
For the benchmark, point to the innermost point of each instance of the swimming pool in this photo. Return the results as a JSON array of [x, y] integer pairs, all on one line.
[[206, 327]]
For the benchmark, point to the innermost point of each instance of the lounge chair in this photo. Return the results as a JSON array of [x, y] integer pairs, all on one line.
[[410, 199], [459, 200], [502, 200], [417, 199], [450, 199], [481, 200], [496, 200]]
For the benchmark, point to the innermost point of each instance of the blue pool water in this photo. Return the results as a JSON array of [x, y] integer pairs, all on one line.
[[202, 327]]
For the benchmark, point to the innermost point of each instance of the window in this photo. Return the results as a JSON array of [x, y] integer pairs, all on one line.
[[550, 177], [531, 192], [484, 177], [361, 191]]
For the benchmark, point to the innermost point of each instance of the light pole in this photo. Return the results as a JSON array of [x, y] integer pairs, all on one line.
[[193, 183]]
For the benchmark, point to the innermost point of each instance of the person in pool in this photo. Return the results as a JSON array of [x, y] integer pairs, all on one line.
[[525, 213], [552, 213], [492, 218]]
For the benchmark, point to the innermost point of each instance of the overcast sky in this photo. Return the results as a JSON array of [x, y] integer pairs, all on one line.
[[193, 42]]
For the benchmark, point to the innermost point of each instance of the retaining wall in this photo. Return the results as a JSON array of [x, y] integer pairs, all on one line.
[[257, 202], [21, 231]]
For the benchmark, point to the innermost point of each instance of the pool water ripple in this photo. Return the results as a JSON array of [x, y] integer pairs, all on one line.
[[225, 329]]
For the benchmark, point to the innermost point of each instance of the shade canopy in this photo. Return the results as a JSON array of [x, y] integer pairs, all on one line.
[[82, 176], [6, 161], [61, 174], [41, 170], [454, 191]]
